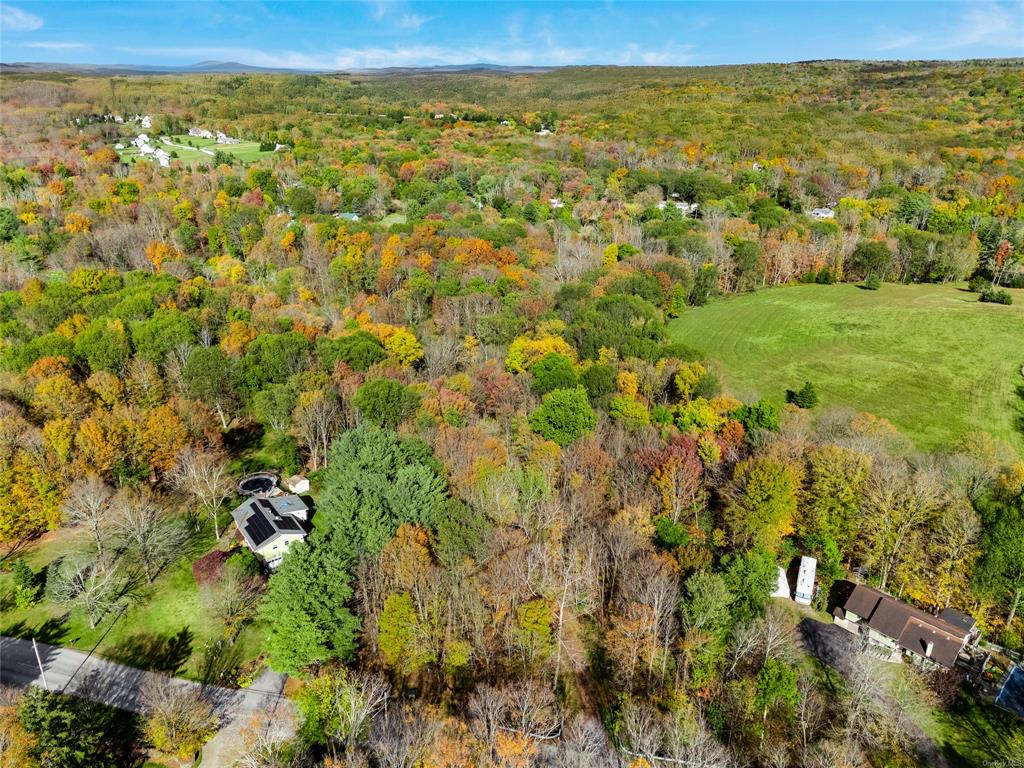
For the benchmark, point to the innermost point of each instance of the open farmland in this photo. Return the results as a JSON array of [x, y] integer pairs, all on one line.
[[930, 358], [192, 149]]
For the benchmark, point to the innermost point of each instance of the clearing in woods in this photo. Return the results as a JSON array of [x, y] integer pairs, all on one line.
[[931, 359]]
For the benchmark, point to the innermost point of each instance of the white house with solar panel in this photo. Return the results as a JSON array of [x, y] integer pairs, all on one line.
[[269, 526]]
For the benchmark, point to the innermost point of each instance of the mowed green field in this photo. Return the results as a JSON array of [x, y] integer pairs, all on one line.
[[930, 358], [246, 151]]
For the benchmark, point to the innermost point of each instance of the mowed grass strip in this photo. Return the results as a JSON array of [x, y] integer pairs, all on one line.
[[931, 359]]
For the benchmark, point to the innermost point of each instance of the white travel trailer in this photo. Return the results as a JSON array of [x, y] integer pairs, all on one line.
[[805, 580]]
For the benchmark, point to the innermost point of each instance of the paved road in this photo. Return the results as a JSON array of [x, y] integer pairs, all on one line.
[[121, 686]]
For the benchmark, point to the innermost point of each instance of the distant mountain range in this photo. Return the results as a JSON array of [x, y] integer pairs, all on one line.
[[234, 67]]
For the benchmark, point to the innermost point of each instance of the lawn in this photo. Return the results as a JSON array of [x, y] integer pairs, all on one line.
[[972, 733], [166, 629], [929, 358], [188, 149]]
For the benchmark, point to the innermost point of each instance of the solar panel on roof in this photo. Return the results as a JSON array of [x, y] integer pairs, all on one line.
[[259, 529], [286, 523], [266, 504]]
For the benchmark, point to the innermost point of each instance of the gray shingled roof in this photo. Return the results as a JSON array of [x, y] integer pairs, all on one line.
[[261, 520]]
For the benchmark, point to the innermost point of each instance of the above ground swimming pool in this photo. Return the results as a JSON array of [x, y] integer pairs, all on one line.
[[257, 484]]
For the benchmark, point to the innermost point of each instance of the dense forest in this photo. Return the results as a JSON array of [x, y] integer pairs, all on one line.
[[544, 534]]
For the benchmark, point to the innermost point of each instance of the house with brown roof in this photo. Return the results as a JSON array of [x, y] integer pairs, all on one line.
[[886, 622]]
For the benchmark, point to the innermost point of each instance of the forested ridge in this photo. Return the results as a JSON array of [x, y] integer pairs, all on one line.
[[544, 535]]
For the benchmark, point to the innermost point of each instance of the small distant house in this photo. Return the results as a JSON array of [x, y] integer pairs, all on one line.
[[782, 588], [269, 526], [297, 484], [146, 122], [347, 216], [439, 116], [554, 202], [140, 140], [544, 132], [681, 206], [119, 146], [162, 157], [146, 149], [118, 119], [823, 213], [903, 629]]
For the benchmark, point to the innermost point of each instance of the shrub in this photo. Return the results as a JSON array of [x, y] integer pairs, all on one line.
[[995, 296], [873, 283], [210, 567], [553, 371], [564, 416], [805, 397], [26, 584], [977, 284]]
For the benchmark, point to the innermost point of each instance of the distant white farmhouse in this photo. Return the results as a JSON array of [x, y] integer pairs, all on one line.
[[555, 202], [146, 122], [146, 149], [223, 138], [683, 207], [805, 580], [140, 140], [823, 213], [162, 157], [201, 133]]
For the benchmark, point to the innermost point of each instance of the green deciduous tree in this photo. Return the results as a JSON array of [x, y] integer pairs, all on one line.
[[553, 371], [564, 416], [386, 402], [763, 501]]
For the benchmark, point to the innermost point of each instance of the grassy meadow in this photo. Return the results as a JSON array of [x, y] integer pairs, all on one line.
[[929, 358], [166, 628], [188, 149]]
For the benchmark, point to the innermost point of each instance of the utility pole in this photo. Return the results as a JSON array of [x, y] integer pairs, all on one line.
[[39, 661]]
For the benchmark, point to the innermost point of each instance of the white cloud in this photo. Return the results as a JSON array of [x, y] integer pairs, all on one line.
[[372, 57], [58, 46], [413, 21], [895, 42], [983, 23], [16, 20], [989, 23]]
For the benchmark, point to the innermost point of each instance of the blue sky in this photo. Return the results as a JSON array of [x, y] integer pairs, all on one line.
[[346, 35]]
